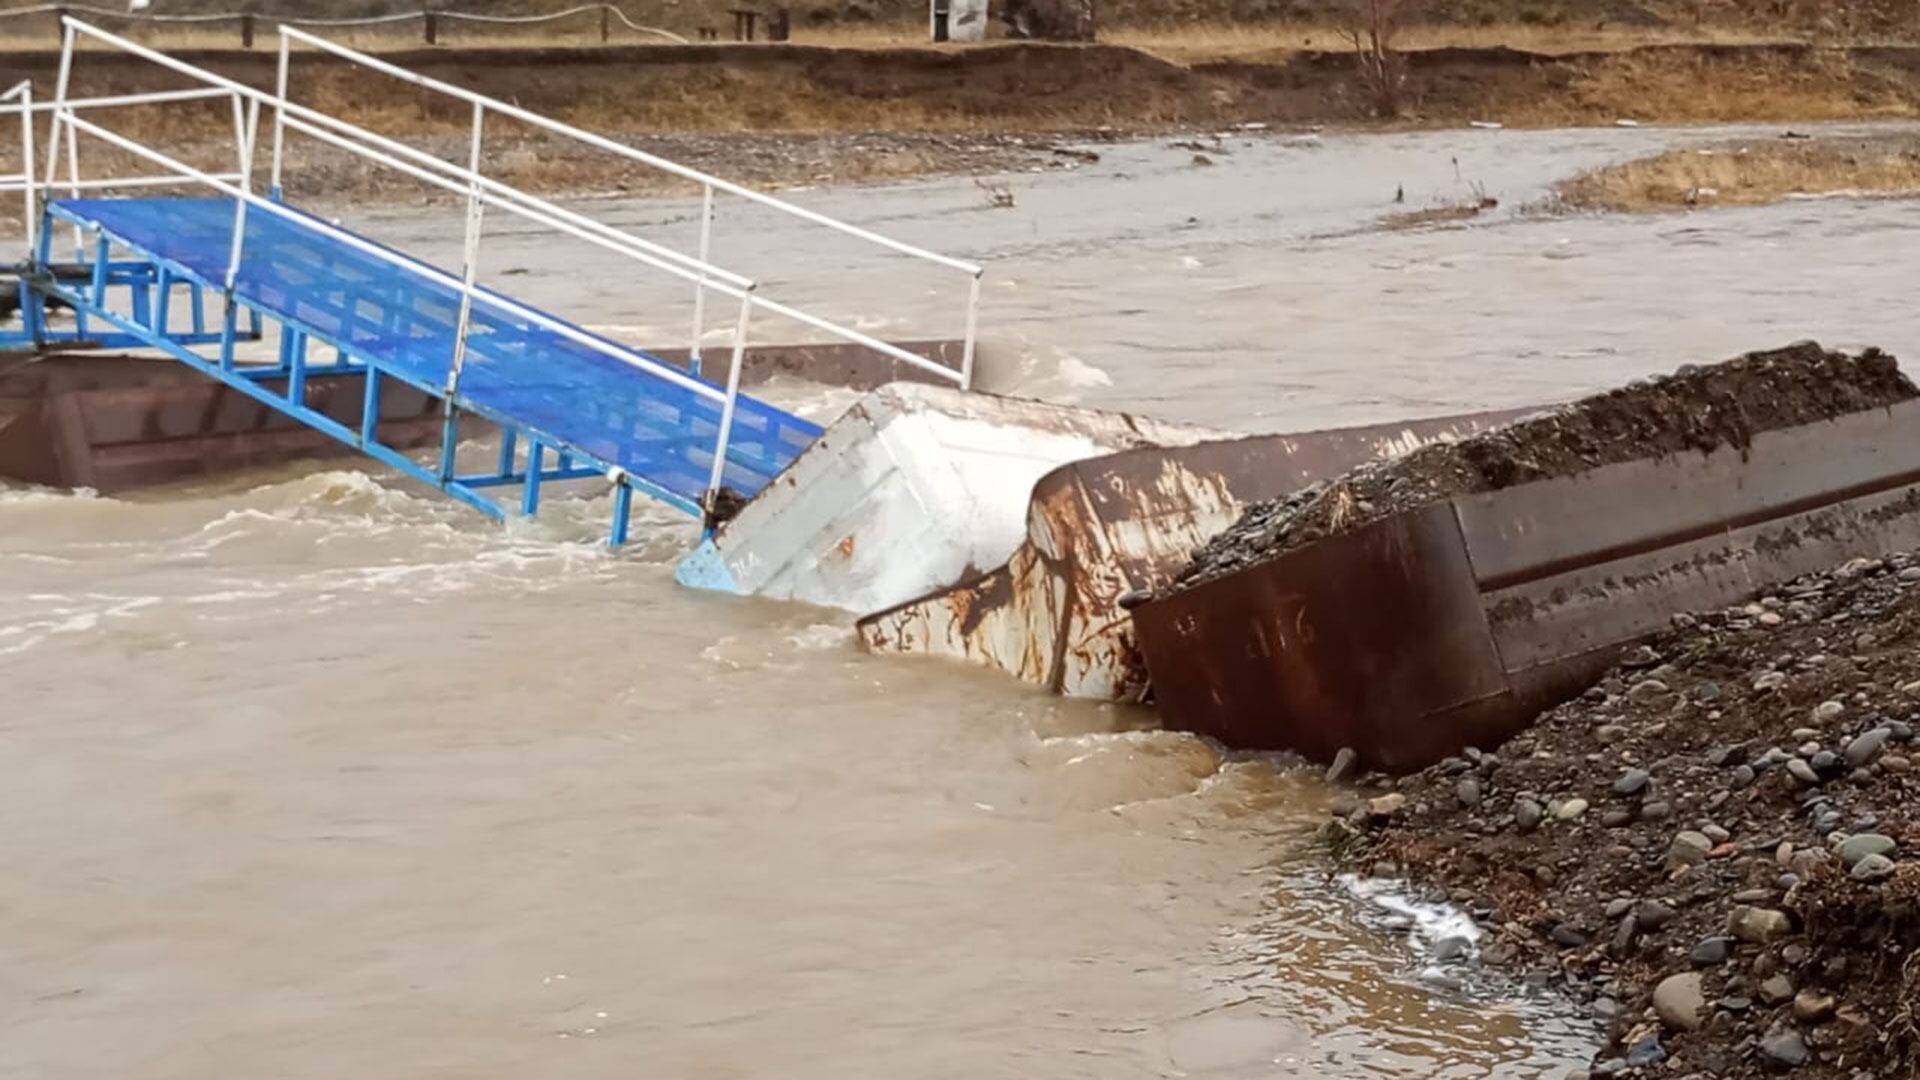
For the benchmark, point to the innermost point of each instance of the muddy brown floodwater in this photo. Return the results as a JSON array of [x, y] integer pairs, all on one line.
[[313, 774]]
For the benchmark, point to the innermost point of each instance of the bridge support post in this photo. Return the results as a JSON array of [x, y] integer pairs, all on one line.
[[162, 300], [296, 363], [536, 460], [449, 438], [509, 441], [370, 408], [622, 513]]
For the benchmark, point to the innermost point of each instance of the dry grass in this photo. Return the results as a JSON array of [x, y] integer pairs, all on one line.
[[40, 33], [1272, 42], [1186, 43], [1682, 86], [1446, 213], [1747, 174]]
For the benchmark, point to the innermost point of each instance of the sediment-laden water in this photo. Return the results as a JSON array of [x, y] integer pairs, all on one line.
[[310, 773]]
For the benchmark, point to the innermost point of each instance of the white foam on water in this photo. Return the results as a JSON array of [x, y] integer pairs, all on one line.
[[1116, 770], [91, 612], [1430, 922], [34, 495], [822, 637], [1025, 369]]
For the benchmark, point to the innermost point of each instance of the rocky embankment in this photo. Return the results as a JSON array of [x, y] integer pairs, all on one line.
[[1718, 846], [1699, 407]]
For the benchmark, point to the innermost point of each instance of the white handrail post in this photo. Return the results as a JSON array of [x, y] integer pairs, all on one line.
[[470, 269], [280, 114], [239, 122], [249, 128], [973, 325], [61, 83], [26, 169], [726, 405], [73, 186], [700, 283]]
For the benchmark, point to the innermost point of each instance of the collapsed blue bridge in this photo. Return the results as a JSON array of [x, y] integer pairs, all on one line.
[[580, 404], [199, 276]]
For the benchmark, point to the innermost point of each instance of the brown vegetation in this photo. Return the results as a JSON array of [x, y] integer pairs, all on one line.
[[1749, 173]]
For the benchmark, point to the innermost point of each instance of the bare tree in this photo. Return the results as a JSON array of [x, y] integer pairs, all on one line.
[[1370, 28]]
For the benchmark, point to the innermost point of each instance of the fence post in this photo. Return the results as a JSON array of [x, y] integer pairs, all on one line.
[[431, 23], [246, 30], [606, 23]]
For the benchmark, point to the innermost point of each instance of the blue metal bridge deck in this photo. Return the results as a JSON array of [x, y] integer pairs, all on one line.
[[562, 388]]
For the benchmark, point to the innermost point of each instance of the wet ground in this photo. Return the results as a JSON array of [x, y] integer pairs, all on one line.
[[313, 774]]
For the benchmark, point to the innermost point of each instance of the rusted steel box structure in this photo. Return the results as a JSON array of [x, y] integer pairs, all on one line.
[[1103, 527], [113, 423], [1456, 623]]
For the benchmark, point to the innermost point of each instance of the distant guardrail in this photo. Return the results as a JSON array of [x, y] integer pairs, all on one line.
[[432, 21]]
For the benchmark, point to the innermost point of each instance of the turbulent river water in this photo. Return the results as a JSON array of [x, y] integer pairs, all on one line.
[[311, 773]]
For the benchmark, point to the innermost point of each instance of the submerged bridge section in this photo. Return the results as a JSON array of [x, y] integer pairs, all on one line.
[[199, 264]]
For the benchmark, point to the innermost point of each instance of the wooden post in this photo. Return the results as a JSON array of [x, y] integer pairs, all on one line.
[[431, 23], [606, 23], [246, 30]]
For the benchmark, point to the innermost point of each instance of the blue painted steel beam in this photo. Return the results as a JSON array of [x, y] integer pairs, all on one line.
[[536, 465], [754, 447], [316, 420], [481, 480]]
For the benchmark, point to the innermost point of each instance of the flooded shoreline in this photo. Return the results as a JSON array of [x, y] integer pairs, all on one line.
[[317, 774]]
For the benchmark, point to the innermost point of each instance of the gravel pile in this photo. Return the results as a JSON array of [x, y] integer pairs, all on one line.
[[1696, 408], [1718, 845]]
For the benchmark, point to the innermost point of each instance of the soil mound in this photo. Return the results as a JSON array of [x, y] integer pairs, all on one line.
[[1718, 845], [1696, 408]]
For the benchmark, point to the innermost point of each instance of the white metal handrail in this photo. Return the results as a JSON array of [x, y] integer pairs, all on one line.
[[480, 192], [22, 92], [245, 199], [367, 247], [246, 107], [709, 183], [705, 275], [25, 108]]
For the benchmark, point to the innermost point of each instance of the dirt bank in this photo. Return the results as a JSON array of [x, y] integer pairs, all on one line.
[[1696, 408], [1751, 172], [1716, 845], [1035, 87], [799, 114], [1848, 18]]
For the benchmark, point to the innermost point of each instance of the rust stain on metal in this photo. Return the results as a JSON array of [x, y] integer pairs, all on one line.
[[1101, 529], [112, 423], [1453, 625]]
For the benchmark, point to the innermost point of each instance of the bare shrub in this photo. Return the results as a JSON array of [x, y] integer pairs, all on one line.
[[1370, 26]]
